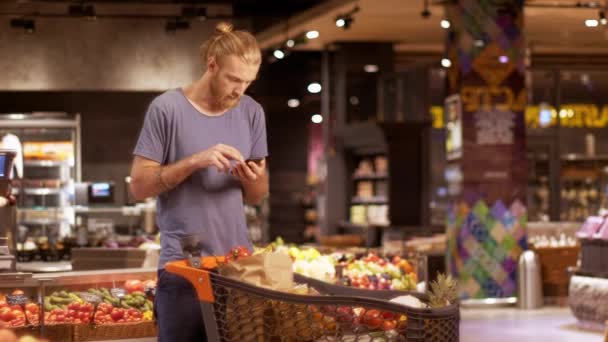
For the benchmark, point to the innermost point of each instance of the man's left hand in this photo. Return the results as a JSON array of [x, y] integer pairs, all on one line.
[[250, 171]]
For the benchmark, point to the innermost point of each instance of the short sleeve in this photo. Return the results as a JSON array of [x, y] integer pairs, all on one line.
[[259, 145], [153, 136]]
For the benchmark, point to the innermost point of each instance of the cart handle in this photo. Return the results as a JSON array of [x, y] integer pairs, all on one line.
[[199, 278]]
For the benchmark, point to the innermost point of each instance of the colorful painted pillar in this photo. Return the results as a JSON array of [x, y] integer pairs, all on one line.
[[486, 145]]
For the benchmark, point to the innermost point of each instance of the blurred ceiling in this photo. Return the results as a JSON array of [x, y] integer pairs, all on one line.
[[551, 27]]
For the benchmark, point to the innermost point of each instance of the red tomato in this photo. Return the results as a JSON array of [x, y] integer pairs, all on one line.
[[31, 307], [388, 325], [6, 314], [372, 319], [3, 303], [117, 314], [134, 285], [237, 253], [60, 318]]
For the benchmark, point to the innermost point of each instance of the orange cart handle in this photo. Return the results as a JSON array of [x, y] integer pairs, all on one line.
[[199, 278]]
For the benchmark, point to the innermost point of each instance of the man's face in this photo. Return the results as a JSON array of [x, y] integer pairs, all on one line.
[[231, 77]]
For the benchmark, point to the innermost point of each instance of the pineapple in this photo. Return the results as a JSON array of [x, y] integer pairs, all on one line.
[[444, 291]]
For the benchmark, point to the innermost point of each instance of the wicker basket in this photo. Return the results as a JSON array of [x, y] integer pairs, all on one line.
[[55, 333], [92, 332], [554, 263]]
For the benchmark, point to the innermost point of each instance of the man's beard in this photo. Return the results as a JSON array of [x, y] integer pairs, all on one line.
[[223, 101]]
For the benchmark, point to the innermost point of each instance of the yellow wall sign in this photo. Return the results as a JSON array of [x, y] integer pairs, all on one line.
[[487, 98], [575, 115]]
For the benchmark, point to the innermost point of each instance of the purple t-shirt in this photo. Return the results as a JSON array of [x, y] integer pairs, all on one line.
[[208, 203]]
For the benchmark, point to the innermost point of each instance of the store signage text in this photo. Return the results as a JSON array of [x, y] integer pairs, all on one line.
[[489, 98], [571, 116]]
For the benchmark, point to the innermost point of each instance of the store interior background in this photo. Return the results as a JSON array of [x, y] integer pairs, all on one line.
[[109, 70]]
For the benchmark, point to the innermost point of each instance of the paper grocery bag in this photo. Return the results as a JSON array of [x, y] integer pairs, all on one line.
[[270, 270]]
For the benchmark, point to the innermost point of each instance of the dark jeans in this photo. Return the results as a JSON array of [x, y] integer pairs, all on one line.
[[177, 309]]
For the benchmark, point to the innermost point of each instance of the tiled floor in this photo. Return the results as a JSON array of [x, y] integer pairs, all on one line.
[[510, 324]]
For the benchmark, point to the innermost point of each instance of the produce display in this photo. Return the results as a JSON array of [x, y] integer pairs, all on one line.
[[376, 273], [371, 271], [131, 303]]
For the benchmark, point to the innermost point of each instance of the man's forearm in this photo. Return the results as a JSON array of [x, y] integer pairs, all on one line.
[[254, 192], [151, 179]]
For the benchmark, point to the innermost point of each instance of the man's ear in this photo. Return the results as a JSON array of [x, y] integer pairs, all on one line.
[[212, 64]]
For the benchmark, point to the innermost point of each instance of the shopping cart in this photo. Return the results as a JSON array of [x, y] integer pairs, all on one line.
[[237, 311]]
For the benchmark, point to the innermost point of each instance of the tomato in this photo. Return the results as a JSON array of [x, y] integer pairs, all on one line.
[[6, 314], [3, 303], [372, 319], [117, 314], [31, 307], [388, 325], [237, 253], [17, 293], [134, 285]]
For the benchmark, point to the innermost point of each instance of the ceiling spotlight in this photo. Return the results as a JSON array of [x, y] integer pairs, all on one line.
[[279, 54], [316, 118], [174, 25], [503, 59], [314, 88], [290, 43], [591, 23], [28, 25], [425, 10], [445, 24], [479, 43], [199, 13], [293, 103], [312, 34], [446, 62], [603, 19], [371, 68], [345, 20]]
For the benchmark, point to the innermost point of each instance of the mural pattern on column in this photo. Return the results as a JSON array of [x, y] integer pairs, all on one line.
[[487, 219], [484, 245]]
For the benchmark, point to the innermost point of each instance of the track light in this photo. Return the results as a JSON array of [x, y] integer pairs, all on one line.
[[28, 25], [278, 54], [425, 10], [176, 24], [591, 23], [199, 13], [82, 10], [345, 20], [603, 19]]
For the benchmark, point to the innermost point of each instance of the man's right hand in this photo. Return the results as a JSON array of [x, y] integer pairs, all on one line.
[[218, 156]]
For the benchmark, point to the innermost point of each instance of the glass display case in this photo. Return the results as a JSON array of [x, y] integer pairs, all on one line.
[[79, 306]]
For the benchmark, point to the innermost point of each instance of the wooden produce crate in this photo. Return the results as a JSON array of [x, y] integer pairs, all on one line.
[[554, 262], [95, 332]]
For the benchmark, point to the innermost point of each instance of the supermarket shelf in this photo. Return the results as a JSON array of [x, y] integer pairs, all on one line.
[[42, 191], [44, 266], [584, 157], [41, 221], [378, 176], [46, 163], [347, 224], [371, 200]]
